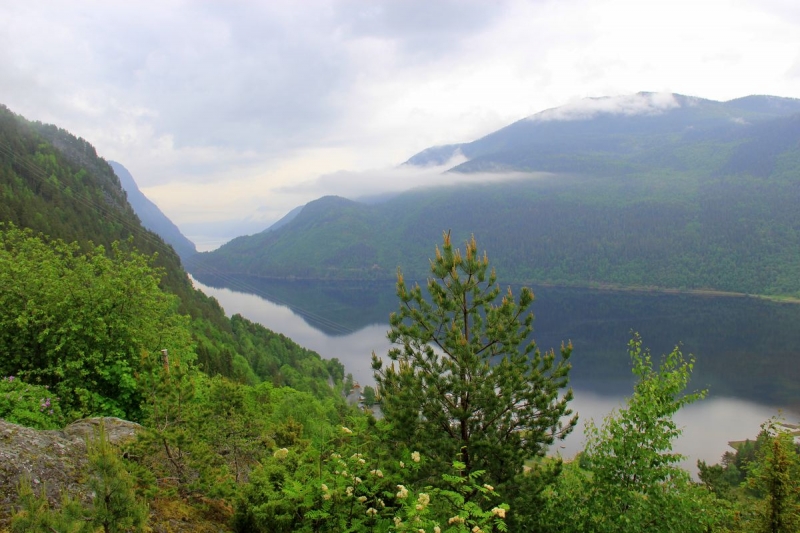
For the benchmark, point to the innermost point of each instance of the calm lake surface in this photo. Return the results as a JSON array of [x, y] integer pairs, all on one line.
[[747, 349]]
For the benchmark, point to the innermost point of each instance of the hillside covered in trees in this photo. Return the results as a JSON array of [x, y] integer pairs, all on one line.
[[699, 195], [55, 184]]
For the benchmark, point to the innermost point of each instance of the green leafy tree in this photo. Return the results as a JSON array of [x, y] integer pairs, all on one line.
[[369, 396], [79, 322], [228, 419], [636, 483], [465, 381]]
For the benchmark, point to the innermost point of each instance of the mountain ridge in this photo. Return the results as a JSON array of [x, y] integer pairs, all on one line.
[[602, 127], [687, 198], [151, 216]]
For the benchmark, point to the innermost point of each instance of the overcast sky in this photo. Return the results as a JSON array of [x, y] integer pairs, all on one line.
[[224, 110]]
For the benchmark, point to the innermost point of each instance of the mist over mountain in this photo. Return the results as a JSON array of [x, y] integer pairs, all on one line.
[[151, 216], [648, 190], [626, 128]]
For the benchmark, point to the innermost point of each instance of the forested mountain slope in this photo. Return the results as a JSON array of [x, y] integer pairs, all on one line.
[[612, 135], [699, 195], [56, 184]]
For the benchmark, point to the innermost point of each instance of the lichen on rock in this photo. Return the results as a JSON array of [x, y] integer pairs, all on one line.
[[53, 459]]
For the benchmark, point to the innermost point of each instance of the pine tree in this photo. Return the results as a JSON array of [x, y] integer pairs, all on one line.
[[115, 506], [464, 380], [37, 516]]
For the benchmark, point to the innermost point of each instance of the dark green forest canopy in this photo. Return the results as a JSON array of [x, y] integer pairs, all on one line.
[[736, 234]]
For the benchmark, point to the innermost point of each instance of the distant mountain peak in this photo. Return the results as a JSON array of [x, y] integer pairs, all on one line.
[[560, 139]]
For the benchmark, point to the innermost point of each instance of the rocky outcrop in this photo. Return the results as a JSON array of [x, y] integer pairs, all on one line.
[[55, 460]]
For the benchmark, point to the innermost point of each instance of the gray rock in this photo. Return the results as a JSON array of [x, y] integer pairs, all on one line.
[[55, 459]]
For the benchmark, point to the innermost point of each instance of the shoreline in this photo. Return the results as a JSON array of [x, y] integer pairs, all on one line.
[[664, 290], [609, 287]]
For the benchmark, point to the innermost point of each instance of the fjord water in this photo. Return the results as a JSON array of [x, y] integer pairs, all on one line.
[[746, 349]]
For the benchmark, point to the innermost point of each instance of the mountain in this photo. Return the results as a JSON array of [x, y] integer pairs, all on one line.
[[151, 216], [650, 190], [56, 184], [596, 134]]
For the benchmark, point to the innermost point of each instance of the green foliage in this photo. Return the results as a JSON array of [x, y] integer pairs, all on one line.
[[54, 183], [114, 507], [369, 396], [35, 514], [205, 435], [776, 476], [229, 420], [633, 482], [276, 358], [79, 322], [89, 319], [465, 380], [349, 485], [635, 476], [169, 388], [641, 435], [29, 405]]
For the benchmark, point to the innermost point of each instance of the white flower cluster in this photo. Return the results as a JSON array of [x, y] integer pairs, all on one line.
[[499, 511], [422, 501], [402, 493]]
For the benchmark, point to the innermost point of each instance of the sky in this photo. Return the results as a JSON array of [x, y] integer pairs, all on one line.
[[230, 113]]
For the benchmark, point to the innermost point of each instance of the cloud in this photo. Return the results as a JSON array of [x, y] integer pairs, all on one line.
[[629, 105], [421, 30], [389, 181]]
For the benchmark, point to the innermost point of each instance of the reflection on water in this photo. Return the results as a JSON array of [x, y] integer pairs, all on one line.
[[747, 349]]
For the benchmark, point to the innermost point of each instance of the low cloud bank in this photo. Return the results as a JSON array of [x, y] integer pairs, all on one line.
[[394, 180], [366, 186], [634, 104]]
